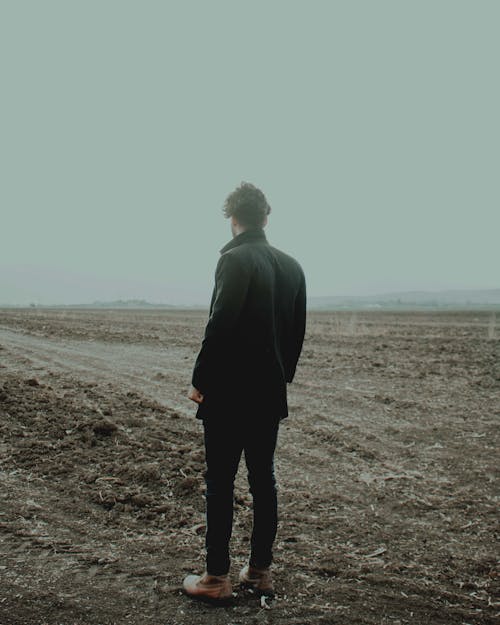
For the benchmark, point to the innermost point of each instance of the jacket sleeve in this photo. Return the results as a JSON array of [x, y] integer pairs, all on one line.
[[231, 286], [299, 328]]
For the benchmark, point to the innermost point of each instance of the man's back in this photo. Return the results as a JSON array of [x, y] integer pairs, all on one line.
[[274, 307], [256, 328]]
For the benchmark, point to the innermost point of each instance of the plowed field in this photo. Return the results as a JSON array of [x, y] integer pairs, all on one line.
[[387, 470]]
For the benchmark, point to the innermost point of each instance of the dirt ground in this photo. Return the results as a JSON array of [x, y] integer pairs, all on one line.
[[387, 470]]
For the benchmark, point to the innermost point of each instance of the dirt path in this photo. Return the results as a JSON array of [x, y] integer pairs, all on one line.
[[161, 373]]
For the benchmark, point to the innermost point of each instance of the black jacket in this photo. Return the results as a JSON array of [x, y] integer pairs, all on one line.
[[255, 331]]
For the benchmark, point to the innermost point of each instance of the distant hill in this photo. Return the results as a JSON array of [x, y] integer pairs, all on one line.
[[410, 300], [119, 303], [129, 303]]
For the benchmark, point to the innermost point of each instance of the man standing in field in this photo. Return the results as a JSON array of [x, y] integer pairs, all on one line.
[[249, 353]]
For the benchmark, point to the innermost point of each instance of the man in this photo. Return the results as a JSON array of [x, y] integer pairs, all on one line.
[[249, 353]]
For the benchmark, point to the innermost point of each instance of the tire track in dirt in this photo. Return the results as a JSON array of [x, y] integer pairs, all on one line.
[[151, 371], [162, 375], [157, 373]]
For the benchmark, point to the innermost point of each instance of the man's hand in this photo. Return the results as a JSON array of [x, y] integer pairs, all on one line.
[[195, 395]]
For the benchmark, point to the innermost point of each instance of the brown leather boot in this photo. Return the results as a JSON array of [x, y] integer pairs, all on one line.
[[257, 579], [208, 587]]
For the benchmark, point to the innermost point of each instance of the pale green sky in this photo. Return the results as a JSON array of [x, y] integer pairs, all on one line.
[[372, 127]]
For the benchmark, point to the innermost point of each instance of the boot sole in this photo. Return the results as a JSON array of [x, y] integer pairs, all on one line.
[[224, 601]]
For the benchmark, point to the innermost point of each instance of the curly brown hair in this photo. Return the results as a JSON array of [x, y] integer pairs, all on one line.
[[248, 205]]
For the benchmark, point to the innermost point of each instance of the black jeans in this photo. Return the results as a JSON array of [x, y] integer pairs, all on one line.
[[225, 441]]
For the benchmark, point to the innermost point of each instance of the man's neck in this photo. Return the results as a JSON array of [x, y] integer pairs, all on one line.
[[236, 230]]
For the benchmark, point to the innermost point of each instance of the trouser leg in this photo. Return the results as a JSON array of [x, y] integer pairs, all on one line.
[[223, 452], [259, 456]]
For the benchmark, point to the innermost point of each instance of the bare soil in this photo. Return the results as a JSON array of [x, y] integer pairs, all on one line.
[[387, 470]]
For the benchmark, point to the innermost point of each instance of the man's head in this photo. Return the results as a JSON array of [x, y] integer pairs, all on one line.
[[247, 207]]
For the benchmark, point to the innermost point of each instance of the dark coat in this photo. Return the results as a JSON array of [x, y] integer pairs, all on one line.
[[255, 331]]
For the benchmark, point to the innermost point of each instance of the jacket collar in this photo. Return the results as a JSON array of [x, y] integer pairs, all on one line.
[[252, 235]]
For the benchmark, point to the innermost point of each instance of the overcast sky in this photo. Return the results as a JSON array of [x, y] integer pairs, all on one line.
[[371, 126]]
